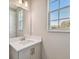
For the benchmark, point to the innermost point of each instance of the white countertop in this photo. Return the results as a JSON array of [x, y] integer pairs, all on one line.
[[18, 45]]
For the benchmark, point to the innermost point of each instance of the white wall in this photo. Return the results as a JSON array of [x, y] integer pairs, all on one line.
[[55, 45], [12, 23]]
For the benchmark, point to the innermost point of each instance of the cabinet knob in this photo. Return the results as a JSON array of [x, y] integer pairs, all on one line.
[[32, 51]]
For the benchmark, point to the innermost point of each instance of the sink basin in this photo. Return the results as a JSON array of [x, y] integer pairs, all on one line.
[[20, 43], [24, 42]]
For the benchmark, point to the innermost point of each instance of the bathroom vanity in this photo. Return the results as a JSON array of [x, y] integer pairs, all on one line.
[[25, 48]]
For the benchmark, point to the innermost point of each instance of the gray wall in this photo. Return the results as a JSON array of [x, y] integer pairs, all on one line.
[[55, 45]]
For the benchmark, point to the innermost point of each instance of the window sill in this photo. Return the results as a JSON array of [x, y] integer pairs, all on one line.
[[59, 31]]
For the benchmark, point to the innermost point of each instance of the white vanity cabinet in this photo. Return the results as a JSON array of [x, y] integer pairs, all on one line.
[[30, 51], [13, 54], [33, 52]]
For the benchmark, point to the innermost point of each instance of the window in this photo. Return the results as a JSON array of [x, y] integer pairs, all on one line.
[[20, 14], [59, 15]]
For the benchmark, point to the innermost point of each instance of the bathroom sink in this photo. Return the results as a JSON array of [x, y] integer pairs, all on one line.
[[20, 43], [24, 42]]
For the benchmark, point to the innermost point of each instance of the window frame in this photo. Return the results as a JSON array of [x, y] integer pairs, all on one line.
[[55, 30]]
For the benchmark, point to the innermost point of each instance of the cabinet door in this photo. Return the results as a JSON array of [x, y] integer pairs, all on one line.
[[36, 51], [33, 52], [24, 54], [13, 54]]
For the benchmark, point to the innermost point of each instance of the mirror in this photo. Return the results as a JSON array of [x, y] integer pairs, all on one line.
[[18, 15], [20, 21], [17, 20]]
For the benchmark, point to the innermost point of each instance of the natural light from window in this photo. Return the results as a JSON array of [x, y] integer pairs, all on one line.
[[59, 15]]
